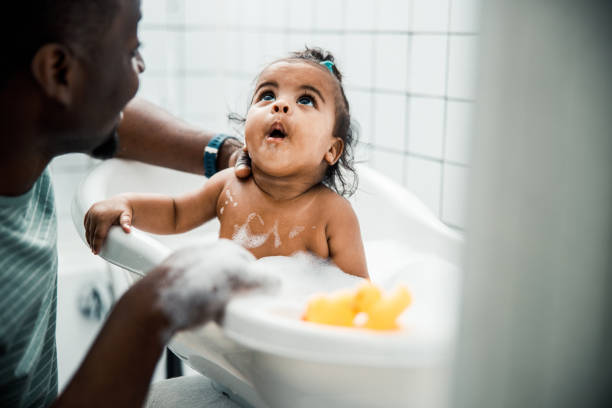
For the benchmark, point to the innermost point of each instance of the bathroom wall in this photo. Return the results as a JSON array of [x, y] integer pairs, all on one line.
[[409, 73], [409, 69]]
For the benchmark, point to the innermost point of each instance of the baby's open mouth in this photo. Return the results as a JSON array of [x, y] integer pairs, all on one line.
[[277, 134]]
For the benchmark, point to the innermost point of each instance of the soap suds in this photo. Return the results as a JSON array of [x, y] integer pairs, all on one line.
[[229, 195], [277, 241], [295, 231], [202, 279], [243, 235], [221, 210], [303, 275], [433, 282]]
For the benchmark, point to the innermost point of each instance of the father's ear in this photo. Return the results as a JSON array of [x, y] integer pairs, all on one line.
[[55, 69], [335, 151]]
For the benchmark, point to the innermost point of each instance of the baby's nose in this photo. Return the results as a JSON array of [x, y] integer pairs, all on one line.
[[280, 106]]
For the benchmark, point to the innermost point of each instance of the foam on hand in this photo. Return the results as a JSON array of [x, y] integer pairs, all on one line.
[[203, 278]]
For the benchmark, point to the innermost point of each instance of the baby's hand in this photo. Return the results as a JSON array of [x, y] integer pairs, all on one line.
[[101, 216]]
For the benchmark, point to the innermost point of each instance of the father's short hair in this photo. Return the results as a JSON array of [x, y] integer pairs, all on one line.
[[29, 24]]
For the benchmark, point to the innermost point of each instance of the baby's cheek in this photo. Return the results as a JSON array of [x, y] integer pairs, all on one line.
[[249, 129]]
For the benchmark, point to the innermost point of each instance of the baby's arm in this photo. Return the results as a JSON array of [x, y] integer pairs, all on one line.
[[344, 239], [156, 213]]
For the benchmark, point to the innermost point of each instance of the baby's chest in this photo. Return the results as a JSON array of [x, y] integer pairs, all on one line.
[[272, 231]]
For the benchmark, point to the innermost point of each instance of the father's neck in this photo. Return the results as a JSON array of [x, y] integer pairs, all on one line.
[[23, 156], [18, 174]]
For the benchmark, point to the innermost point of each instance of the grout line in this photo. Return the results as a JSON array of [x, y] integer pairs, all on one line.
[[408, 93], [286, 31], [415, 155], [181, 73], [268, 30], [453, 226], [444, 121], [313, 23], [406, 139], [344, 17], [408, 98], [372, 45], [204, 72]]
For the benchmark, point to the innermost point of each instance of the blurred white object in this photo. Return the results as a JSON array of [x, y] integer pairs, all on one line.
[[535, 325], [264, 355]]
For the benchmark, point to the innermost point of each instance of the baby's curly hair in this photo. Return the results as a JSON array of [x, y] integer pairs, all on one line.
[[342, 176]]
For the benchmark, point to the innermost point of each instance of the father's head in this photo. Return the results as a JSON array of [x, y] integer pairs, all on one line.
[[71, 66]]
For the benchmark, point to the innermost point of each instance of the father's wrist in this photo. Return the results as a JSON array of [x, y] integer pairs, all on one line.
[[141, 305], [226, 153]]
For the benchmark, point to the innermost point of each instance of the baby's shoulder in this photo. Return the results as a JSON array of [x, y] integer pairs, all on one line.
[[327, 193], [330, 200], [223, 179], [229, 185], [337, 213], [223, 176]]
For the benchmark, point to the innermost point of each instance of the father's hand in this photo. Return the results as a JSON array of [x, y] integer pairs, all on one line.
[[190, 287], [195, 283], [234, 153], [242, 163]]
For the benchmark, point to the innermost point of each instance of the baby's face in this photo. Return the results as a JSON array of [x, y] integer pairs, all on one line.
[[289, 126]]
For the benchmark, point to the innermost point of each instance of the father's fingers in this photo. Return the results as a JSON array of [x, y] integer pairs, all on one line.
[[242, 169], [246, 280], [202, 280]]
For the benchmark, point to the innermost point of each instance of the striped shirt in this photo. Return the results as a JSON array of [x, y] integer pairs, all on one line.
[[28, 297]]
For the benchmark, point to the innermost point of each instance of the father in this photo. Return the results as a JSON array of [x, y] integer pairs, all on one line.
[[69, 69]]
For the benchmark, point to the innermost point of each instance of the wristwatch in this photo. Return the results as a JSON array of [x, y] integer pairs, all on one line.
[[211, 151]]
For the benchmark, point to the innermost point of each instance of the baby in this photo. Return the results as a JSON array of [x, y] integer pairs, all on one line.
[[298, 135]]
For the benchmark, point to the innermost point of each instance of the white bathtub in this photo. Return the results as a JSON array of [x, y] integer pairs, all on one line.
[[264, 356]]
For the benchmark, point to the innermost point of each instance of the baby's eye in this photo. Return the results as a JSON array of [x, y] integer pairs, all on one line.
[[306, 100], [266, 96]]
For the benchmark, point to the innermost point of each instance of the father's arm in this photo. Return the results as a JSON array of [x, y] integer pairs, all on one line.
[[150, 134], [190, 287], [118, 367]]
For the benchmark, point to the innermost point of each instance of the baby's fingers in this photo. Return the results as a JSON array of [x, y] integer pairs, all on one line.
[[86, 225], [98, 237], [125, 220], [90, 229]]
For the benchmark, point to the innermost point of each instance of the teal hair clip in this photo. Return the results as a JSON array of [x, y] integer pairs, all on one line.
[[329, 65]]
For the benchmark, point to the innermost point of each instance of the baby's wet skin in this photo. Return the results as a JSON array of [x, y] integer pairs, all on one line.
[[268, 228]]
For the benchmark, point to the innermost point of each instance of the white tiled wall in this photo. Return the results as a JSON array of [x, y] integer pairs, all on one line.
[[409, 69]]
